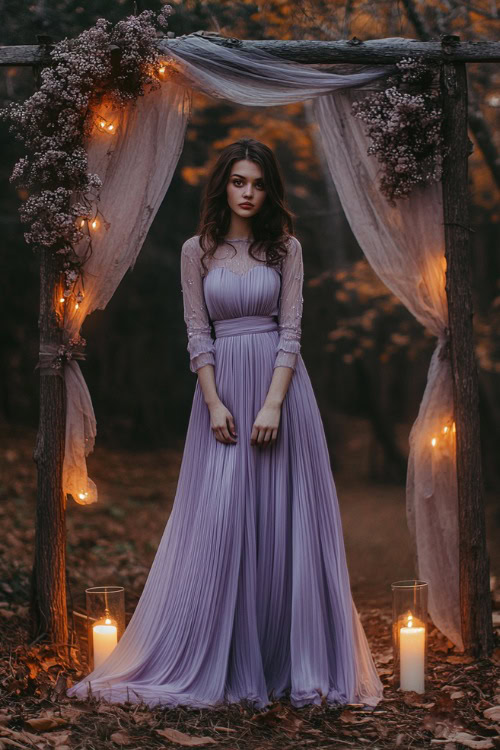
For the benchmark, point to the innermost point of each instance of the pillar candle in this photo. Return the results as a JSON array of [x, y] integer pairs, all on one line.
[[412, 657], [105, 639]]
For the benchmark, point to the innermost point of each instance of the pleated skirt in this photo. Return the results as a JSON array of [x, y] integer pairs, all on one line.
[[248, 597]]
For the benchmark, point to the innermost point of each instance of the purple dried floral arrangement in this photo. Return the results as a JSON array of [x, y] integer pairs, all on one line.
[[404, 124], [105, 61]]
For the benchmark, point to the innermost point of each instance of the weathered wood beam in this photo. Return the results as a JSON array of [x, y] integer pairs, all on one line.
[[48, 612], [475, 600], [373, 51]]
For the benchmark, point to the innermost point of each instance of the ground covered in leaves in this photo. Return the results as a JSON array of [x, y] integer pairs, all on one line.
[[114, 542]]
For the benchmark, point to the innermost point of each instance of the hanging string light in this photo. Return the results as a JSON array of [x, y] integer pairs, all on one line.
[[105, 125], [446, 431]]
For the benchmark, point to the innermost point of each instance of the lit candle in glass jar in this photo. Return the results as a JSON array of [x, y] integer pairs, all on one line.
[[105, 636], [412, 656]]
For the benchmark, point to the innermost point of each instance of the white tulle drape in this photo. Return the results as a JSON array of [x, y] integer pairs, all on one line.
[[404, 245], [136, 166]]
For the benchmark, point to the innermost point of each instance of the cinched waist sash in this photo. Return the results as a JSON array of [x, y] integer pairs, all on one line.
[[245, 324]]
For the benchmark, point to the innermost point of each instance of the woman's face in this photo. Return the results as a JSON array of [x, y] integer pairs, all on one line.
[[246, 185]]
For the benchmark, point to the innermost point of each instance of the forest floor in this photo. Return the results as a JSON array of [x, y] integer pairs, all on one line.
[[114, 542]]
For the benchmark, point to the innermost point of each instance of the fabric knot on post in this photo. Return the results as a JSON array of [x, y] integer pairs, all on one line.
[[52, 357]]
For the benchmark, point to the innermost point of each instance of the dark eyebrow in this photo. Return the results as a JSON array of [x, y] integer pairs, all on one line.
[[244, 178]]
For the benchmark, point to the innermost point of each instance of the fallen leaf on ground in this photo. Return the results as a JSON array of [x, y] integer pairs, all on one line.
[[59, 739], [349, 717], [187, 740], [492, 713], [459, 659], [384, 659], [46, 722], [121, 738], [469, 740]]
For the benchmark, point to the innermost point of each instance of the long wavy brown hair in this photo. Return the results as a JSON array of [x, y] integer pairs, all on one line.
[[271, 226]]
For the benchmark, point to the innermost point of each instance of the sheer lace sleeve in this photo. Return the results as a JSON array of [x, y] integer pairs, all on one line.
[[290, 307], [200, 346]]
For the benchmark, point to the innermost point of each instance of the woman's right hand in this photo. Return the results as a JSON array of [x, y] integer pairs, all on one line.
[[222, 424]]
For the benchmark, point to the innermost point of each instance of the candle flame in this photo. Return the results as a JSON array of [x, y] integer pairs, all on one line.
[[445, 429], [82, 495], [410, 621], [94, 224], [61, 299], [162, 69], [433, 442], [108, 621]]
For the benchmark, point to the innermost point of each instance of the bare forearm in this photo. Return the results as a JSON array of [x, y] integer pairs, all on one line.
[[281, 379], [206, 378]]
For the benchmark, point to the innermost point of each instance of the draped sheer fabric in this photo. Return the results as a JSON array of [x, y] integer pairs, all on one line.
[[256, 78], [404, 245], [234, 255], [135, 166]]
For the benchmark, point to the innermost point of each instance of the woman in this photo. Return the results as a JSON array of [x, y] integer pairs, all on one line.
[[248, 597]]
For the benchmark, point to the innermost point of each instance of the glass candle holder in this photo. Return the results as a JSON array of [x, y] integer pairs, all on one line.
[[105, 621], [409, 634]]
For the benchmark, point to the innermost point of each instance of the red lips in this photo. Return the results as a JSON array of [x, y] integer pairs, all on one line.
[[246, 205]]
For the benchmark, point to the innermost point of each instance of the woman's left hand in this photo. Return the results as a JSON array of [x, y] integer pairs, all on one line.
[[265, 426]]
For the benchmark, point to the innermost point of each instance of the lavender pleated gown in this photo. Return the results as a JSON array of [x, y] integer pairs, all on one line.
[[248, 596]]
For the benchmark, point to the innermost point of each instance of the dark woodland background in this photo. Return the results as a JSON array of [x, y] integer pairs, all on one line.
[[366, 355]]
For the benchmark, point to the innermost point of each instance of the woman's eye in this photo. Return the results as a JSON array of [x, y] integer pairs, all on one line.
[[237, 183]]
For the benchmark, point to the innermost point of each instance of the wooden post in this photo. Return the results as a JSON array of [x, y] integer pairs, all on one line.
[[475, 599], [48, 615]]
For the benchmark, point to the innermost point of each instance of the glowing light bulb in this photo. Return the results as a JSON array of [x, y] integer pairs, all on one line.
[[77, 306], [82, 222], [82, 495], [94, 224], [61, 299], [445, 429], [162, 69], [433, 442], [105, 125]]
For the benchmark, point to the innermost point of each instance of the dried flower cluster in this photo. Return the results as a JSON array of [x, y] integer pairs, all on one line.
[[105, 62], [72, 350], [404, 124]]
